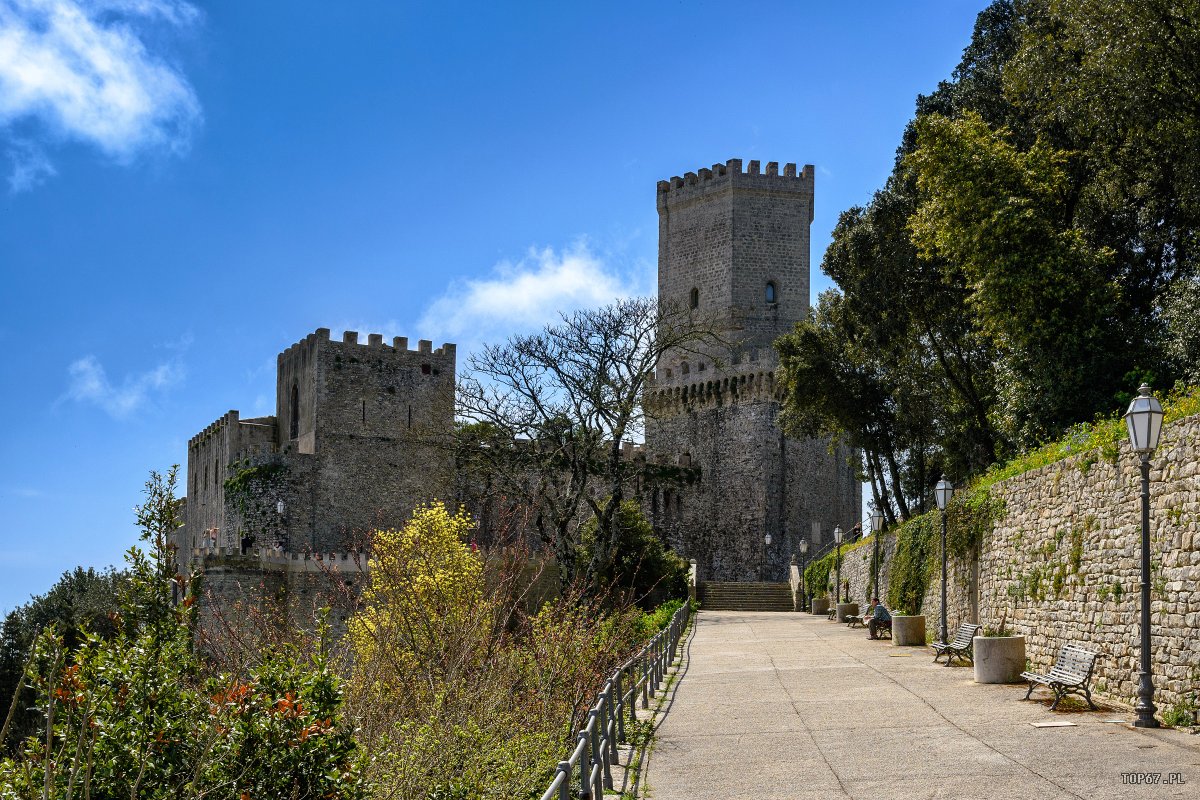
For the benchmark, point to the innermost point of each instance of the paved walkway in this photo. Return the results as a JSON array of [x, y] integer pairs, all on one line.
[[793, 706]]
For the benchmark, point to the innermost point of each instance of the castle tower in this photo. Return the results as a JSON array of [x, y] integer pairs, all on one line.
[[734, 249], [358, 440]]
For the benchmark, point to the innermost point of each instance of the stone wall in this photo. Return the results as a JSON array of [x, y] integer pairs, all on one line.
[[856, 568], [725, 236], [1063, 564]]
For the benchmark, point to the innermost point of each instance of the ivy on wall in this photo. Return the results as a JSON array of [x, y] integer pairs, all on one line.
[[248, 484], [817, 573], [918, 545]]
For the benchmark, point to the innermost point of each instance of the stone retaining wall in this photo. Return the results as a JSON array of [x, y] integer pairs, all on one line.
[[1062, 564]]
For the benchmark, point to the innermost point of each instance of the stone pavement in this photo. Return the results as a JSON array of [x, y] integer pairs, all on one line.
[[794, 706]]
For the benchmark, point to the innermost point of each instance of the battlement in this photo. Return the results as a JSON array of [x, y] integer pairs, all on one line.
[[629, 450], [690, 369], [279, 559], [752, 381], [723, 176], [374, 343], [226, 420]]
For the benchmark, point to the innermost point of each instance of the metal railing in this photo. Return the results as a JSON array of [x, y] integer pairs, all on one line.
[[589, 769]]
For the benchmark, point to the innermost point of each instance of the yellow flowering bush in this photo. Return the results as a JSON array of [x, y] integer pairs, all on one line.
[[426, 588]]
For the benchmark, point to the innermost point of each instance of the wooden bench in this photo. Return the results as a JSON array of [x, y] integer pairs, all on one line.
[[958, 647], [1070, 675], [854, 622], [884, 629]]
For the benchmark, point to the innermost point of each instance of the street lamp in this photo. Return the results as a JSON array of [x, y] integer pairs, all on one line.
[[766, 543], [1144, 420], [942, 493], [876, 528], [803, 583], [837, 588]]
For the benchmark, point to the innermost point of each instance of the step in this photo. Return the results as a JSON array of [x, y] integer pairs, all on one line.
[[748, 596]]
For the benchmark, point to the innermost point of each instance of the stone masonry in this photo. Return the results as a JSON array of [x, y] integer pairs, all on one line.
[[1062, 565], [733, 248], [360, 430]]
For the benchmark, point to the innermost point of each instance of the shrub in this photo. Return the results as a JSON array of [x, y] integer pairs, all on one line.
[[643, 569], [132, 715], [478, 699]]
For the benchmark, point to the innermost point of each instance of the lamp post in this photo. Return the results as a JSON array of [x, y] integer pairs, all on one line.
[[1144, 421], [763, 569], [837, 587], [942, 493], [803, 583], [876, 528]]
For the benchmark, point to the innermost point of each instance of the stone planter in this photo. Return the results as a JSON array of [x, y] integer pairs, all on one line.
[[820, 605], [999, 659], [846, 610], [908, 631]]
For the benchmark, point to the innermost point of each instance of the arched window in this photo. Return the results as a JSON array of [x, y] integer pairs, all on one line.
[[771, 292], [295, 412], [694, 300]]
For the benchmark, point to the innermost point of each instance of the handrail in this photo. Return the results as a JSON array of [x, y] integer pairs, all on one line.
[[595, 752]]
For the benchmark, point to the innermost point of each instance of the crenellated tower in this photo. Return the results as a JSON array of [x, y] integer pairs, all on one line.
[[359, 438], [733, 249]]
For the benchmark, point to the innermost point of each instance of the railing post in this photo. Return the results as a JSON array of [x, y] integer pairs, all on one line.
[[605, 744], [564, 788], [645, 664], [658, 662], [611, 723], [585, 768], [595, 719], [620, 708]]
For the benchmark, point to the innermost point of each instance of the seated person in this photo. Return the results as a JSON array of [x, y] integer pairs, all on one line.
[[879, 618]]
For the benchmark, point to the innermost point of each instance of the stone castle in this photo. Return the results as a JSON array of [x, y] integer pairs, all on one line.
[[358, 436]]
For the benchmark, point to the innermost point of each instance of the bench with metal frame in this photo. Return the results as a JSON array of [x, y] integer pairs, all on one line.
[[961, 646], [1070, 675]]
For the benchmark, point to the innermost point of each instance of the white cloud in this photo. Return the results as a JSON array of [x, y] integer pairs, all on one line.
[[525, 295], [89, 383], [80, 70], [30, 165]]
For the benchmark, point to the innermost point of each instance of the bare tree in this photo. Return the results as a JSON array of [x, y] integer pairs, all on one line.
[[545, 416]]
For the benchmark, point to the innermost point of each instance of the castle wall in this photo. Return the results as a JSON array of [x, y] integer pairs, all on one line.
[[210, 456], [245, 593], [753, 480], [375, 418], [728, 234]]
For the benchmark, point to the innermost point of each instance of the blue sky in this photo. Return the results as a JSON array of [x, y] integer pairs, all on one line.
[[189, 188]]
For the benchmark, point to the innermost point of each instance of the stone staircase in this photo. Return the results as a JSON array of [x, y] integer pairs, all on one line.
[[746, 597]]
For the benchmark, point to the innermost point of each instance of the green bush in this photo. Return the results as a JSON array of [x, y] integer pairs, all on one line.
[[651, 622], [643, 569], [133, 715]]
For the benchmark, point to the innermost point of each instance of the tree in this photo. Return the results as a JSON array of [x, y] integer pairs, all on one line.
[[892, 363], [134, 715], [641, 567], [456, 689], [1036, 286], [547, 416], [81, 602], [426, 589]]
